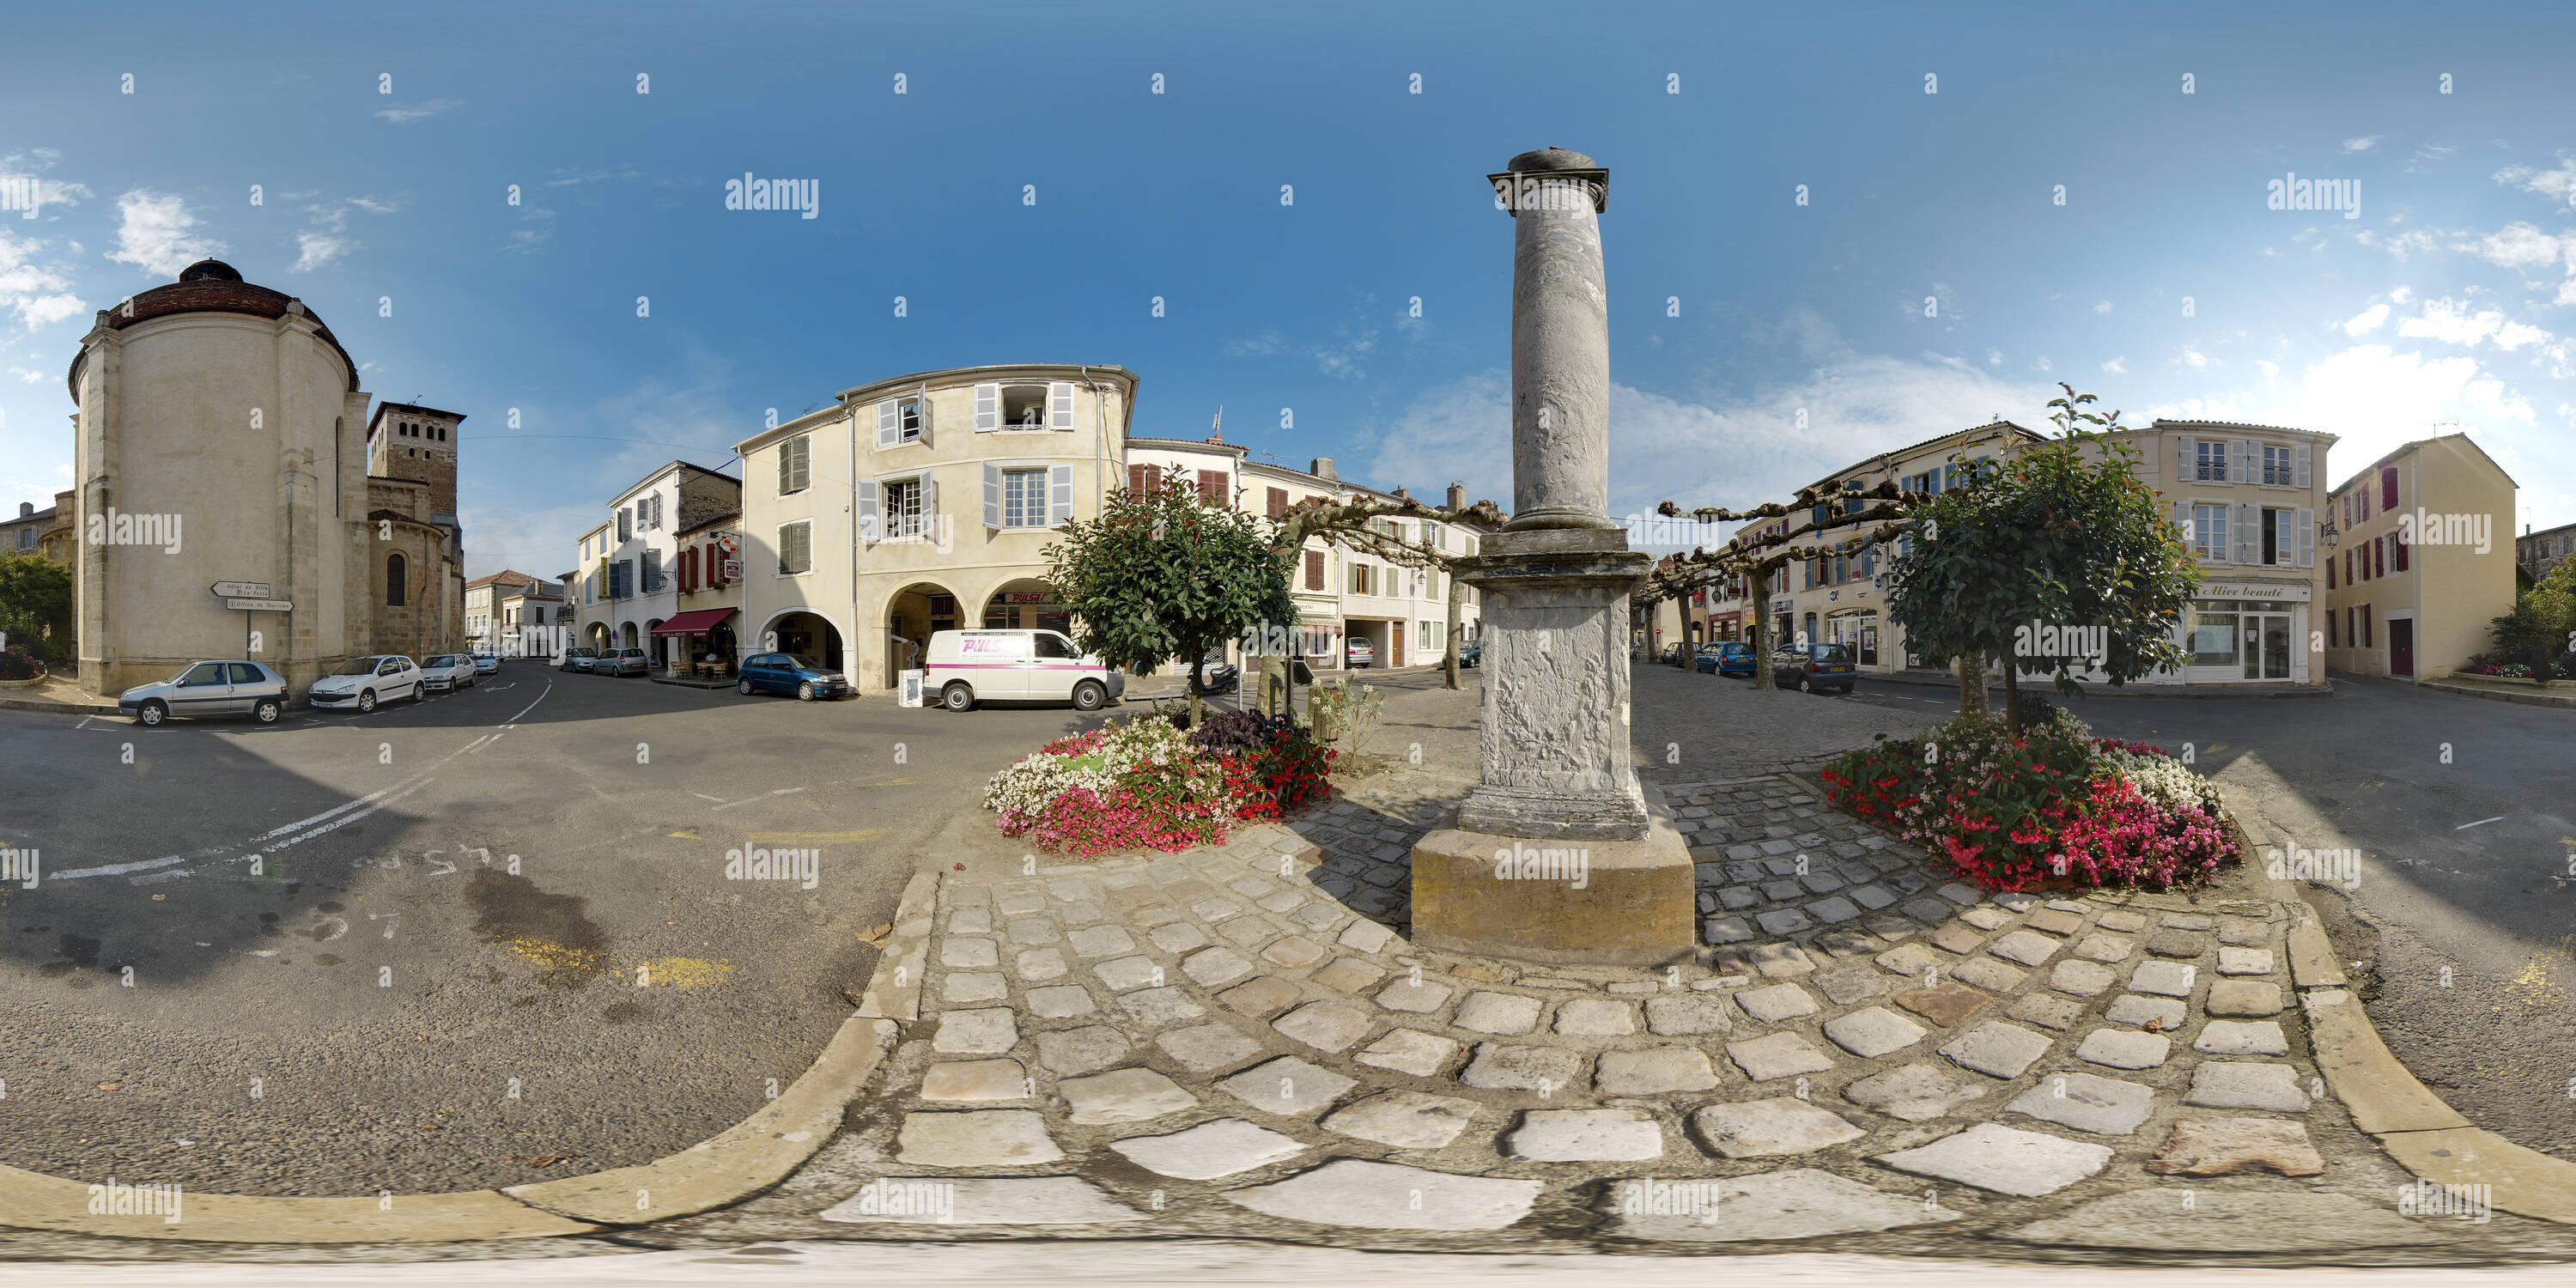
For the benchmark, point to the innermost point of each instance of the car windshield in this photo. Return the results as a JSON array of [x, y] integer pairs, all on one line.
[[802, 662], [358, 666], [1831, 653]]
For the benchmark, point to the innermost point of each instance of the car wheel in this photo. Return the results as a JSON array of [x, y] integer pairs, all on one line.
[[366, 701], [804, 691], [153, 713], [266, 711], [1089, 696], [743, 687], [957, 697]]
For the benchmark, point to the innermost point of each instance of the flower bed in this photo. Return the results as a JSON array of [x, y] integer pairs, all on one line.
[[1145, 784], [18, 664], [2049, 805]]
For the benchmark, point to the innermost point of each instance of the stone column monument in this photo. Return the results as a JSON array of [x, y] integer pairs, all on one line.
[[1556, 855]]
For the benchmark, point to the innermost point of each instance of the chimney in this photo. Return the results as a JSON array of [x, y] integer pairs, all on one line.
[[26, 509], [1401, 494], [1457, 497], [1324, 469]]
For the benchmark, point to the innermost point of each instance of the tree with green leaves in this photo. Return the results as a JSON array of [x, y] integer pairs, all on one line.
[[1162, 575], [36, 605], [2060, 534]]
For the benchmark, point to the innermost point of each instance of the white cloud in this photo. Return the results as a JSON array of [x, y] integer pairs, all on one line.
[[1734, 453], [2452, 322], [318, 249], [30, 165], [2366, 321], [2103, 307], [2521, 245], [1994, 357], [39, 293], [2362, 144], [2194, 358], [156, 233], [2559, 183], [2271, 370], [2410, 242], [25, 376], [2430, 155], [2117, 366], [407, 115]]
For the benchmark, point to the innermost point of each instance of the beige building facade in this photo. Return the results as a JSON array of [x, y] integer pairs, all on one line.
[[221, 436], [2421, 568]]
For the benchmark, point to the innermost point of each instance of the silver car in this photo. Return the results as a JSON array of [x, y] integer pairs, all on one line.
[[209, 689], [448, 671], [362, 682], [624, 661], [486, 663]]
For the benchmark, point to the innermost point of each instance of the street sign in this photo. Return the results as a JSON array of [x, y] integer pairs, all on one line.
[[241, 589], [733, 570], [260, 605]]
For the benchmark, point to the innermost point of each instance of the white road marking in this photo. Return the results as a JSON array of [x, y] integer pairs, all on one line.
[[550, 687], [2480, 823], [704, 797], [762, 797]]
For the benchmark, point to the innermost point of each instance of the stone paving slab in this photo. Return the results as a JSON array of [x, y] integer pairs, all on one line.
[[1250, 1024]]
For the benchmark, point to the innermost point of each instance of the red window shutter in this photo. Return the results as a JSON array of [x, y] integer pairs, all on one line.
[[2379, 556], [2387, 487], [1136, 483], [2366, 632], [2330, 578], [1314, 570], [1153, 478], [1279, 503], [1212, 488], [2401, 552], [688, 569]]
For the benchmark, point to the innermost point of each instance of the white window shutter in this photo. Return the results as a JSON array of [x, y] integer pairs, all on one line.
[[992, 495], [1059, 495], [2182, 519], [2242, 534], [2307, 522], [1060, 405], [2185, 453], [889, 424], [2299, 467], [871, 512], [922, 401], [2285, 543], [2249, 462], [929, 529], [988, 408]]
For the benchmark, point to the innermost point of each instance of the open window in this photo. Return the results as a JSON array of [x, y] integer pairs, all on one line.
[[1024, 406]]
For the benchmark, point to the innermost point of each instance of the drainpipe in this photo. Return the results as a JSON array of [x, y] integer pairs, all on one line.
[[850, 646], [1099, 446]]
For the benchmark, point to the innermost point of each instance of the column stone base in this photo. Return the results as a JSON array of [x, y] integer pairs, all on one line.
[[1558, 900]]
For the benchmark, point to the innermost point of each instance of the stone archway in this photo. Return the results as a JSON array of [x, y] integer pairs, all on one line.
[[807, 634], [1023, 603], [912, 615]]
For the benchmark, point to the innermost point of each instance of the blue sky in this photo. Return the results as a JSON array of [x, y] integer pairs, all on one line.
[[2449, 300]]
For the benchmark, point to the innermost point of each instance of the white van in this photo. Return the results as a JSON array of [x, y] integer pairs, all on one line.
[[967, 667]]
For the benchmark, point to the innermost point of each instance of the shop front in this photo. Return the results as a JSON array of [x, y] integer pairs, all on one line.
[[1856, 629], [698, 642], [2247, 633]]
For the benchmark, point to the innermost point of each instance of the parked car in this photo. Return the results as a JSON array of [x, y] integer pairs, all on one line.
[[1359, 654], [1816, 668], [579, 658], [1472, 654], [967, 667], [447, 671], [1726, 657], [209, 689], [790, 673], [623, 661], [1220, 677], [363, 682], [486, 663], [1671, 656]]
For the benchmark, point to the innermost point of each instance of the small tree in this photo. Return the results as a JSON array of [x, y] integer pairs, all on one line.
[[1161, 575], [36, 605], [2059, 534]]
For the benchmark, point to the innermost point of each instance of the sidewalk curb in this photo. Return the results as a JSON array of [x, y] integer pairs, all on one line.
[[59, 708], [2418, 1129], [1995, 689], [735, 1164], [2534, 699]]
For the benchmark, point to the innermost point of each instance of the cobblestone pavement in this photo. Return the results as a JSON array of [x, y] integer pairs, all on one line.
[[1239, 1040], [1689, 727]]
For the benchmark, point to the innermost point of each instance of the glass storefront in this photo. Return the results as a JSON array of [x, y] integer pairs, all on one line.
[[2239, 640]]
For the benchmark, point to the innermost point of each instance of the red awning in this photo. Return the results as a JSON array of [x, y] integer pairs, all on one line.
[[697, 621]]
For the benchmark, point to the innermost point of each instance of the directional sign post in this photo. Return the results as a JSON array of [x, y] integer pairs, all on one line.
[[261, 605], [240, 589]]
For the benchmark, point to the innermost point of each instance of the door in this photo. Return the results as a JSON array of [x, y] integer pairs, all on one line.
[[250, 685], [1053, 670], [204, 691], [390, 680], [1395, 644], [2266, 642], [2401, 646]]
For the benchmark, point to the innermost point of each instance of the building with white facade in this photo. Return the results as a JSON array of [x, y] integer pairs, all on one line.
[[633, 571]]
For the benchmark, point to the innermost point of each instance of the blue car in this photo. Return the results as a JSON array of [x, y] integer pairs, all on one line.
[[1727, 657], [790, 673]]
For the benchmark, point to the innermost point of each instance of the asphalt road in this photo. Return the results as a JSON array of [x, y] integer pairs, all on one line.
[[482, 940], [2460, 817]]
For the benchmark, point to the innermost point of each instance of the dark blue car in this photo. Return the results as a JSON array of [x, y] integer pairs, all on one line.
[[1726, 657], [790, 673]]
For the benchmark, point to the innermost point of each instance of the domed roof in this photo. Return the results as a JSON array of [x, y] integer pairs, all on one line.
[[210, 269], [211, 286], [1549, 158]]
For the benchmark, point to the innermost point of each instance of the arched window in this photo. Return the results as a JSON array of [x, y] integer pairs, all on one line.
[[395, 569]]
